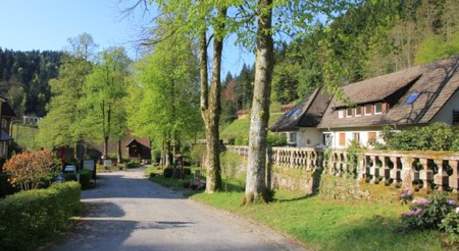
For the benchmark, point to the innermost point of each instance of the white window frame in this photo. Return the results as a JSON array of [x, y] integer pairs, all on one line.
[[352, 112]]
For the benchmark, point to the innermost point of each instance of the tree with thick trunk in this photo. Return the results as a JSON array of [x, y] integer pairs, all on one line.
[[210, 103], [255, 189]]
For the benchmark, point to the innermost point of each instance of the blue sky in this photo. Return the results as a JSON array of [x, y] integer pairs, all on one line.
[[47, 24]]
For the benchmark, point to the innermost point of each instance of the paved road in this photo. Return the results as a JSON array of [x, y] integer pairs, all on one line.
[[128, 212]]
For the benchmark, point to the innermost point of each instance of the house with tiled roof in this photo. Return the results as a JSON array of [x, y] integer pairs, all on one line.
[[416, 96]]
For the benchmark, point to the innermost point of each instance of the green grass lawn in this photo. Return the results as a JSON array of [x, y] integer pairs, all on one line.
[[330, 225], [25, 136], [321, 223], [239, 128]]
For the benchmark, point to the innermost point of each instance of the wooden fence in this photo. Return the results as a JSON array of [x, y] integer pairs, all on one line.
[[426, 170]]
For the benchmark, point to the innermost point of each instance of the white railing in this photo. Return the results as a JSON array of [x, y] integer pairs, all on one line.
[[427, 170]]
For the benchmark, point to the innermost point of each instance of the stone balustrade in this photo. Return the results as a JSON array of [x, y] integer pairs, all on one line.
[[424, 170]]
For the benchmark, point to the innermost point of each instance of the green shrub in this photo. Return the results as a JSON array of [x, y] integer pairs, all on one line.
[[450, 225], [435, 137], [277, 139], [5, 186], [168, 172], [197, 152], [70, 177], [85, 178], [29, 218], [132, 164]]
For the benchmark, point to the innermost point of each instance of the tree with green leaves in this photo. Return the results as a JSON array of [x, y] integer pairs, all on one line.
[[60, 127], [204, 20], [164, 96], [102, 102]]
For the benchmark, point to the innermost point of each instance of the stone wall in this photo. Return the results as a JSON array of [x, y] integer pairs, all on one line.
[[234, 166]]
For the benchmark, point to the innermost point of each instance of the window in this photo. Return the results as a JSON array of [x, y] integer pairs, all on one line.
[[291, 137], [371, 138], [327, 139], [340, 114], [368, 109], [349, 112], [342, 138], [455, 117], [378, 108], [356, 137], [358, 111]]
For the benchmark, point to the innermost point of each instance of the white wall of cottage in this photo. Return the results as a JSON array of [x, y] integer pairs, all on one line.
[[309, 137], [349, 137], [445, 114]]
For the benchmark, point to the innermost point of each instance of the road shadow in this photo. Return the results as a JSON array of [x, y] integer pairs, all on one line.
[[120, 186], [102, 227]]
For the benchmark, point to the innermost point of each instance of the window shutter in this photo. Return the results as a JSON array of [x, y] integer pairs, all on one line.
[[342, 138]]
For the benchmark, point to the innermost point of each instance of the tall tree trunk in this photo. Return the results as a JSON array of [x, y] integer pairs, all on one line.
[[210, 104], [119, 155], [255, 189], [105, 147], [168, 154]]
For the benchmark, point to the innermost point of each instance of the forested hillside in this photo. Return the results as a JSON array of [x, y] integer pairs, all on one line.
[[375, 38], [24, 78]]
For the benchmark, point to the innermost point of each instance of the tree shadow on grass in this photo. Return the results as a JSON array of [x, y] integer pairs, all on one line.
[[381, 233]]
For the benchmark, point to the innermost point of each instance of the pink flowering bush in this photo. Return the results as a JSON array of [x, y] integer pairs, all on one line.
[[406, 196], [428, 213]]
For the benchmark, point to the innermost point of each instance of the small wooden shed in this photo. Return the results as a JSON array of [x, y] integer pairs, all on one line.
[[139, 149]]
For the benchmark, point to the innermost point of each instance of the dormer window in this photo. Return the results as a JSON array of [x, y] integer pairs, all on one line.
[[378, 108], [349, 112], [358, 111], [369, 109]]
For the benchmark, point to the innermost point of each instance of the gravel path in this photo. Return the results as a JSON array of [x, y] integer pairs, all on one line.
[[128, 212]]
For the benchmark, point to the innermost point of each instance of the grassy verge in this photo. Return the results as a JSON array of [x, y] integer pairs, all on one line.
[[330, 225], [321, 223]]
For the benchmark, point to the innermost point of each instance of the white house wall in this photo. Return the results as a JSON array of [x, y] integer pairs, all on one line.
[[446, 112], [308, 137], [363, 132]]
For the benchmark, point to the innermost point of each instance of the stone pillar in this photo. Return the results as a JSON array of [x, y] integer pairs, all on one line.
[[373, 170], [361, 168], [425, 175], [407, 174], [441, 178], [395, 172], [454, 178]]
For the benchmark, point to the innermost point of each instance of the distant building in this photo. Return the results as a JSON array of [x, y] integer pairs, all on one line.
[[30, 119], [415, 96], [139, 149], [6, 116]]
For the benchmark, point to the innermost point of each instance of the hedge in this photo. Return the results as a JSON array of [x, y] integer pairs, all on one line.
[[5, 186], [30, 218], [85, 178]]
